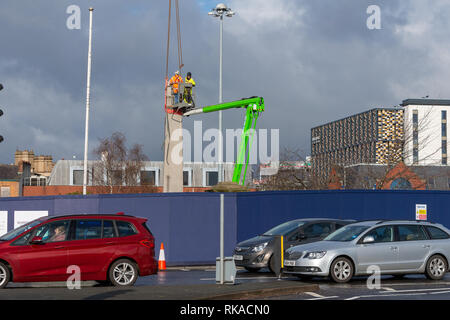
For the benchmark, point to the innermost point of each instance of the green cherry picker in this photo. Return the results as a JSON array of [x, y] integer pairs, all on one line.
[[253, 106]]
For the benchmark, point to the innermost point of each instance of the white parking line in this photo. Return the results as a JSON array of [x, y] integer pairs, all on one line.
[[440, 292], [415, 290], [386, 295], [318, 296], [315, 295], [388, 289], [252, 278]]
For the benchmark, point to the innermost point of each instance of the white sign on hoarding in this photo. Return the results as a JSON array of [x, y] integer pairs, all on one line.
[[421, 212], [3, 222], [23, 217]]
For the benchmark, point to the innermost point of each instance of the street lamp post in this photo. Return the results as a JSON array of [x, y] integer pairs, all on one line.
[[219, 11], [88, 92]]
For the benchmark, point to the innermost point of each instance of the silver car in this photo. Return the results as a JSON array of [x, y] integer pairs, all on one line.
[[395, 247]]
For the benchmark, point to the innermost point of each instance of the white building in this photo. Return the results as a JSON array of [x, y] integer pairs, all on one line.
[[425, 124], [195, 174]]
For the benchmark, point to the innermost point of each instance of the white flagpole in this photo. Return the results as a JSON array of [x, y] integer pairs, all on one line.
[[88, 92]]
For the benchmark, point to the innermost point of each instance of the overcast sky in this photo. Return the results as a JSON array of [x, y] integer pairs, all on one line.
[[313, 62]]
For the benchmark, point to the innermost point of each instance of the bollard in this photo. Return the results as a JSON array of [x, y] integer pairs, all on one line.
[[277, 257]]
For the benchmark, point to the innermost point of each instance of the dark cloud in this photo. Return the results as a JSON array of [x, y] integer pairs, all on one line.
[[312, 61]]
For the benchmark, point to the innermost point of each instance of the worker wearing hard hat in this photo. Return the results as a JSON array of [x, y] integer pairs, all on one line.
[[188, 91], [174, 81], [189, 79]]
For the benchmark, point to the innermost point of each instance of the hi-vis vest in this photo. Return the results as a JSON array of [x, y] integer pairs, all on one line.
[[174, 82], [191, 80]]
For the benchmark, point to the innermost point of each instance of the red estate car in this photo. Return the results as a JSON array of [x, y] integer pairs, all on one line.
[[107, 248]]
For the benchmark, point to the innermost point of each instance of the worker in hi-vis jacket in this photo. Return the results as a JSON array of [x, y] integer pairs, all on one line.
[[188, 91], [174, 81]]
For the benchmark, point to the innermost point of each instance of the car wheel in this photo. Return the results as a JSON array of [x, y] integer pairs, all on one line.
[[123, 273], [271, 264], [250, 269], [5, 275], [436, 267], [341, 270]]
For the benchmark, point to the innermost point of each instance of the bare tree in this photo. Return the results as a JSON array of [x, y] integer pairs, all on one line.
[[116, 165], [290, 173]]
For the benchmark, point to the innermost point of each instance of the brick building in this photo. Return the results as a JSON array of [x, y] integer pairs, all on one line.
[[36, 169]]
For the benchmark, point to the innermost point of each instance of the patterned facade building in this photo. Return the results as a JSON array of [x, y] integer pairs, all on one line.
[[375, 136]]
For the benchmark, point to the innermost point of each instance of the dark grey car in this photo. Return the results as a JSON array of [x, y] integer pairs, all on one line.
[[256, 253]]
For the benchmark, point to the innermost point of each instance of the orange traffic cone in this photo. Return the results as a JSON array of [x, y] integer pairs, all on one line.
[[162, 258]]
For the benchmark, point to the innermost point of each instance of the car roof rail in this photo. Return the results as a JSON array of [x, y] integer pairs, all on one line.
[[383, 220]]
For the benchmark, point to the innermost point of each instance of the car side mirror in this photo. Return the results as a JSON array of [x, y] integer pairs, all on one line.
[[36, 240], [368, 239]]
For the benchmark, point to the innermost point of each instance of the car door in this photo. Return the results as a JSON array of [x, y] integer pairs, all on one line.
[[46, 261], [92, 246], [382, 252], [414, 247]]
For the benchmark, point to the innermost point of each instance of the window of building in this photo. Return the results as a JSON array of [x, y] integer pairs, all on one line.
[[5, 192], [444, 136], [415, 155], [415, 136], [34, 181], [76, 176], [117, 177], [210, 177], [148, 177], [415, 117], [187, 177]]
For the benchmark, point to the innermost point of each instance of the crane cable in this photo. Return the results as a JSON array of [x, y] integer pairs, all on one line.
[[179, 47], [180, 58]]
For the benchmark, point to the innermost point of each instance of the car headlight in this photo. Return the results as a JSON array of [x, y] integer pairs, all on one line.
[[315, 255], [260, 247]]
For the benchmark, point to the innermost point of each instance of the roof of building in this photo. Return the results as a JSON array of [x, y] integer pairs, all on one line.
[[8, 172], [426, 102]]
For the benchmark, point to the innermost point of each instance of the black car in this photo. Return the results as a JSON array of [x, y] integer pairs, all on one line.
[[256, 253]]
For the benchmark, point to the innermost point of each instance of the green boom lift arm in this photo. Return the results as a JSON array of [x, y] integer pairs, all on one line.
[[254, 106]]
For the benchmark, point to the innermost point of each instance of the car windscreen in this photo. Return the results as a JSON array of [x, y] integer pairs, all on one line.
[[347, 233], [284, 228], [19, 230]]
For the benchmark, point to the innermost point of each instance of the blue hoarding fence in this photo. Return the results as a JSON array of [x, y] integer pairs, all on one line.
[[189, 223]]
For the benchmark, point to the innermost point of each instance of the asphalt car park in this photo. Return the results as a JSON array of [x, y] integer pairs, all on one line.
[[410, 287]]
